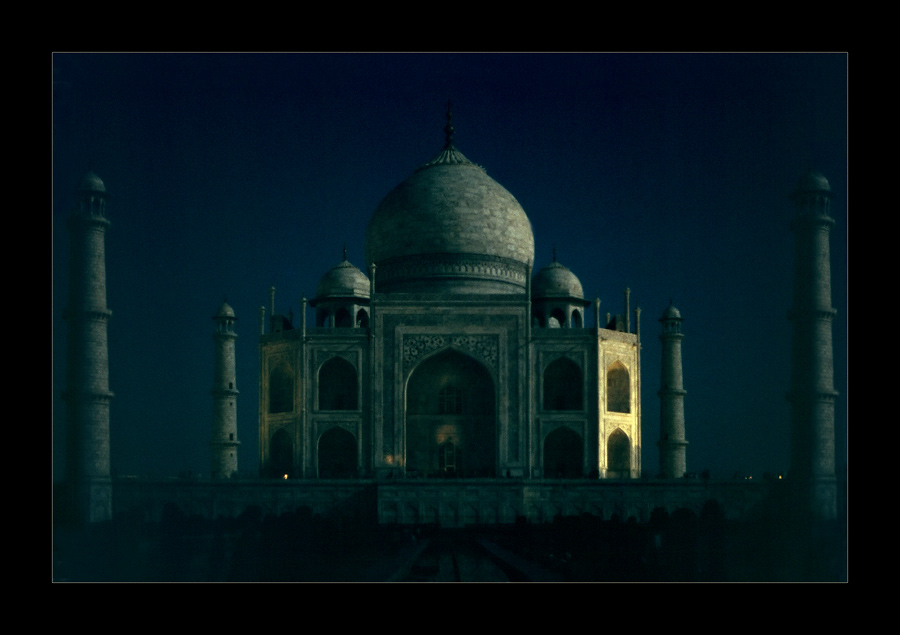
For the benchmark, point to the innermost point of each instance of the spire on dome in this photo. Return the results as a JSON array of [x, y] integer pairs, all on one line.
[[449, 155], [448, 129]]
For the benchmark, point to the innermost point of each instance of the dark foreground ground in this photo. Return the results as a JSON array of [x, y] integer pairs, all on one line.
[[300, 547]]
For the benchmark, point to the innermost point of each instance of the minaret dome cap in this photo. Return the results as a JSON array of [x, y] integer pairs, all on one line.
[[812, 182], [225, 311], [92, 183], [671, 313]]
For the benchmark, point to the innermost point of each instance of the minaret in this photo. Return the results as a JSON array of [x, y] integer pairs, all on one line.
[[672, 444], [224, 441], [812, 391], [87, 392]]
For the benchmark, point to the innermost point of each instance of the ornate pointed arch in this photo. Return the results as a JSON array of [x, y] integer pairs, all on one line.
[[618, 455], [338, 386], [281, 388], [451, 397], [563, 385], [618, 388]]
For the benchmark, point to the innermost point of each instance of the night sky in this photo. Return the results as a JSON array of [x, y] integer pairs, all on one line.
[[665, 173]]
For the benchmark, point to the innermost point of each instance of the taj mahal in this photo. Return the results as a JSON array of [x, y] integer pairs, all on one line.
[[444, 380]]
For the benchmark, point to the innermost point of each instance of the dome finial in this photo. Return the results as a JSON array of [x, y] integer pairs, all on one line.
[[448, 129], [448, 155], [345, 252]]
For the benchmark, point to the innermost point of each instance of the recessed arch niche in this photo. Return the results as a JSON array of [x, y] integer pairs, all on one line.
[[337, 454], [563, 454], [338, 385], [281, 454], [281, 389], [450, 397], [618, 388], [563, 385], [618, 455]]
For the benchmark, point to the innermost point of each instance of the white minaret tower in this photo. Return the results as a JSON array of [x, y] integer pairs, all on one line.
[[672, 444], [224, 443], [87, 392], [812, 391]]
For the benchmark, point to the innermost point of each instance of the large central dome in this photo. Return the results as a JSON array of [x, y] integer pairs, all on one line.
[[450, 227]]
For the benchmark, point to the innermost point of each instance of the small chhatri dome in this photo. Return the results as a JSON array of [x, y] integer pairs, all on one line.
[[450, 227], [342, 281], [556, 281], [91, 183]]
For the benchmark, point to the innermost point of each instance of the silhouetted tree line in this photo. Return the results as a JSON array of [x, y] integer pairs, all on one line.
[[683, 546], [299, 546]]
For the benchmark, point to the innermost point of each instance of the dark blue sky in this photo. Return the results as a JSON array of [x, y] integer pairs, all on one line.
[[665, 173]]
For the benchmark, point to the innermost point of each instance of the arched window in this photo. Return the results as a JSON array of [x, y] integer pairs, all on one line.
[[618, 455], [338, 385], [362, 319], [563, 386], [576, 319], [450, 400], [563, 454], [559, 315], [618, 389], [337, 454], [342, 318], [281, 389]]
